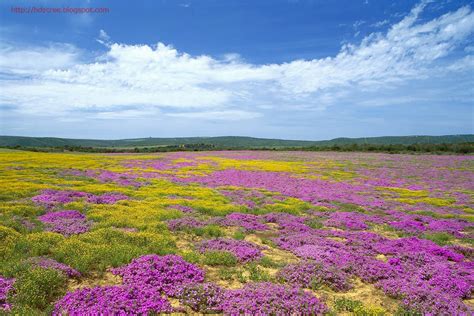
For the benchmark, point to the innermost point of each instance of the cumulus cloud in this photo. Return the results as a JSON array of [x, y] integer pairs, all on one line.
[[149, 78]]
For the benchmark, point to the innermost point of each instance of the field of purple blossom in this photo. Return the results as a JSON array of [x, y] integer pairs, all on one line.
[[244, 232]]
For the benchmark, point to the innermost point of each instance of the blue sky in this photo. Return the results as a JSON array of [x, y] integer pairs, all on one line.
[[277, 69]]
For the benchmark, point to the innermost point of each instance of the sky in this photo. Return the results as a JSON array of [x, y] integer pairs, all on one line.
[[293, 69]]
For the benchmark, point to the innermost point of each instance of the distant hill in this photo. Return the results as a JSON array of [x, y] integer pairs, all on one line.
[[229, 141], [399, 140]]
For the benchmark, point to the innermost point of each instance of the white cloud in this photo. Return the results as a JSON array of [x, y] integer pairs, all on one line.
[[358, 24], [104, 38], [159, 77], [36, 60], [380, 23], [235, 115]]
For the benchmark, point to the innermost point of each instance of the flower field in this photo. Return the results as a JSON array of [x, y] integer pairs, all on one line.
[[241, 232]]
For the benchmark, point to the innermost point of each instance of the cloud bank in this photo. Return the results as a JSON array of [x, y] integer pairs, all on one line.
[[142, 80]]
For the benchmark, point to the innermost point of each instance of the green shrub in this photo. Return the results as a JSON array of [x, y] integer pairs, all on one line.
[[347, 305], [257, 274], [402, 311], [314, 223], [210, 231], [357, 308], [98, 250], [42, 243], [191, 256], [9, 239], [268, 262], [227, 274], [440, 238], [17, 223], [38, 287], [26, 310], [268, 242], [219, 258], [12, 268], [239, 235]]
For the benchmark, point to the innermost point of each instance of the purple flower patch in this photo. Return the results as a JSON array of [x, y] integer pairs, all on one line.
[[247, 221], [107, 198], [409, 226], [164, 273], [5, 286], [202, 297], [185, 223], [244, 251], [47, 263], [311, 275], [65, 222], [51, 198], [113, 300], [271, 299]]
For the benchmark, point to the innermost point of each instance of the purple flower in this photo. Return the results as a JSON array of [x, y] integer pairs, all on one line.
[[428, 284], [247, 221], [271, 299], [244, 251], [113, 300], [65, 222], [409, 226], [348, 220], [107, 198], [311, 274], [201, 297], [164, 273], [51, 198], [185, 223], [5, 286], [48, 263]]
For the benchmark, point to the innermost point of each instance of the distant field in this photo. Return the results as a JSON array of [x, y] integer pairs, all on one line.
[[336, 233]]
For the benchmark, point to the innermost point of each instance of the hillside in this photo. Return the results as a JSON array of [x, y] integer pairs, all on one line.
[[228, 141]]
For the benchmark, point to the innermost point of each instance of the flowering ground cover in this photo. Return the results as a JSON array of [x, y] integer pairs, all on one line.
[[257, 233]]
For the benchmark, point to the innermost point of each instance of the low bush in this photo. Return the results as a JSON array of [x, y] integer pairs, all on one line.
[[204, 298], [38, 288], [239, 235], [357, 308], [441, 238], [98, 250], [257, 274], [220, 258], [209, 231]]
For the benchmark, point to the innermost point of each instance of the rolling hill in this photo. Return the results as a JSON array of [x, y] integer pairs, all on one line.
[[229, 141]]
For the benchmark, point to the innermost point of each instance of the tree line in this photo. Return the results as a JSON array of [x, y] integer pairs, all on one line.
[[460, 148]]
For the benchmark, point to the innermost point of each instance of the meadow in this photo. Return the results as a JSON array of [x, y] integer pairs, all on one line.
[[236, 232]]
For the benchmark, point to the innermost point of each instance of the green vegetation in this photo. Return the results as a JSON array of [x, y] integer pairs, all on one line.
[[220, 258], [356, 307], [441, 238], [257, 274], [239, 235], [209, 231], [391, 144], [100, 249], [38, 287]]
